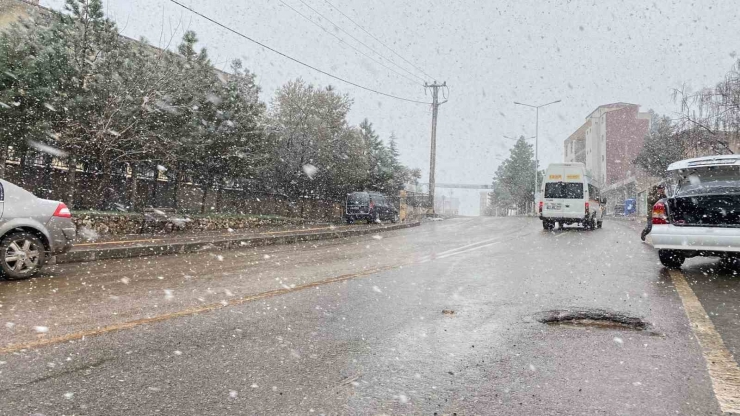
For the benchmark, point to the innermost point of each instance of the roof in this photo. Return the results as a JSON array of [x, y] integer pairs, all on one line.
[[718, 160], [613, 106]]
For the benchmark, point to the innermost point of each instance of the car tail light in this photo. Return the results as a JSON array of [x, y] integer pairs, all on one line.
[[62, 211], [372, 204], [587, 208], [540, 207], [659, 213]]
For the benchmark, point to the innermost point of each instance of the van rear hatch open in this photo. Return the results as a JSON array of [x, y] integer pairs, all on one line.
[[706, 196]]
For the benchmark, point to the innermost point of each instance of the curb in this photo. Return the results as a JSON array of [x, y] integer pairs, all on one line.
[[219, 244]]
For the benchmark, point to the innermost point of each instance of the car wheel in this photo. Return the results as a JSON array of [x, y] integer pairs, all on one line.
[[350, 220], [395, 218], [599, 224], [671, 259], [23, 255], [729, 263]]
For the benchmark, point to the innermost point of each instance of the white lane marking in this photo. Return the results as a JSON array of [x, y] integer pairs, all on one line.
[[468, 250], [466, 246], [723, 369]]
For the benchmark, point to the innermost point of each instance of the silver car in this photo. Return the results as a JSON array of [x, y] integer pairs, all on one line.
[[31, 231]]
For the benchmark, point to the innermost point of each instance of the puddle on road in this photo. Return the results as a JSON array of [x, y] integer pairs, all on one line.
[[592, 318]]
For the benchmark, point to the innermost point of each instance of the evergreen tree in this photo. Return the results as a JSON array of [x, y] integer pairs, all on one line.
[[513, 182]]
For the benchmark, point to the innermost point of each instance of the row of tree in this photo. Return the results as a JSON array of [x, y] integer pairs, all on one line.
[[74, 89], [708, 124]]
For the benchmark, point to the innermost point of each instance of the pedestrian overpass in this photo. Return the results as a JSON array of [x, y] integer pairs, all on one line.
[[458, 186]]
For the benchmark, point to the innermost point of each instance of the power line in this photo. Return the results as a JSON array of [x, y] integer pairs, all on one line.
[[378, 40], [351, 46], [359, 41], [294, 59]]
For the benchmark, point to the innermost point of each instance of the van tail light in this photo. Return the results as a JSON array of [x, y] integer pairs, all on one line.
[[62, 211], [587, 211], [540, 207], [659, 213]]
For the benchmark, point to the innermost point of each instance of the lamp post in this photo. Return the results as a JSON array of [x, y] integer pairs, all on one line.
[[517, 138], [536, 142]]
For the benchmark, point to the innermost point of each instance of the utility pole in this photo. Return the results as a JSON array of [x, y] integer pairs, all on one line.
[[433, 157]]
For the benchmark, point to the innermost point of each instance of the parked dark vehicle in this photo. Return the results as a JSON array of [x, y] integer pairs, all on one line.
[[369, 206], [31, 230], [699, 216]]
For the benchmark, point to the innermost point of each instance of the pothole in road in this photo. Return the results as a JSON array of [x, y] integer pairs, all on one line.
[[592, 318]]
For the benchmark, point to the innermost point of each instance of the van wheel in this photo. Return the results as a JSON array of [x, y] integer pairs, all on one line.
[[671, 259], [589, 224], [23, 254], [548, 225]]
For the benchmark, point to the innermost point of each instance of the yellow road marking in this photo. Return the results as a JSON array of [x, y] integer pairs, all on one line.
[[11, 348], [723, 369]]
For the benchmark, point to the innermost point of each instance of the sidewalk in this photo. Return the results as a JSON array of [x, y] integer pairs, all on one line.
[[141, 245]]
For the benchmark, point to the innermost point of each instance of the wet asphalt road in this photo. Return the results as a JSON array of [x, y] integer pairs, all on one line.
[[438, 319]]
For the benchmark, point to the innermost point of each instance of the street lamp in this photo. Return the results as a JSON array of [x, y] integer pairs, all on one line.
[[517, 138], [536, 142]]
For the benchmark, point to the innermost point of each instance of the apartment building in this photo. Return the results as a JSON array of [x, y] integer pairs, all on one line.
[[608, 142]]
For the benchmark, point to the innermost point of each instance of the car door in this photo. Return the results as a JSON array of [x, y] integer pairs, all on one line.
[[383, 207]]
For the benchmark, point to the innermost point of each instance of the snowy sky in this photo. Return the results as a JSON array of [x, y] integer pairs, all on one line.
[[491, 53]]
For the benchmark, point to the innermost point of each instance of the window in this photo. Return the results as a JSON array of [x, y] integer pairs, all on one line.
[[564, 190], [357, 198], [593, 192]]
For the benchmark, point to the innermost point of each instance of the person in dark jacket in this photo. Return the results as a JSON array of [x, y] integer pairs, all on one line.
[[656, 194]]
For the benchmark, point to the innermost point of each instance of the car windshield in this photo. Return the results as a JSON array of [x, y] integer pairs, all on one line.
[[369, 207], [564, 190]]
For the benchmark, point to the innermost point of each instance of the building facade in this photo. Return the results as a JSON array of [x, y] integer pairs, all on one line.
[[608, 141]]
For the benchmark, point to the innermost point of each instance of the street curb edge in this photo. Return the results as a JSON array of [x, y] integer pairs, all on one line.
[[220, 244]]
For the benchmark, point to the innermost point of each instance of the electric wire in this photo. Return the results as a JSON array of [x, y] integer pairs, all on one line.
[[354, 84]]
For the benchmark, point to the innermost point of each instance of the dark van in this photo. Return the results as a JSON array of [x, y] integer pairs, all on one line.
[[369, 206]]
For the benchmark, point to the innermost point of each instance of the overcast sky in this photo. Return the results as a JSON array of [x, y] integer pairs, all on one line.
[[490, 53]]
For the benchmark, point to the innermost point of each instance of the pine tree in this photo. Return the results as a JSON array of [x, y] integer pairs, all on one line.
[[513, 182]]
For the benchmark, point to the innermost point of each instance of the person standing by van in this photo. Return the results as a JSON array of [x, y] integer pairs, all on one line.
[[656, 194]]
